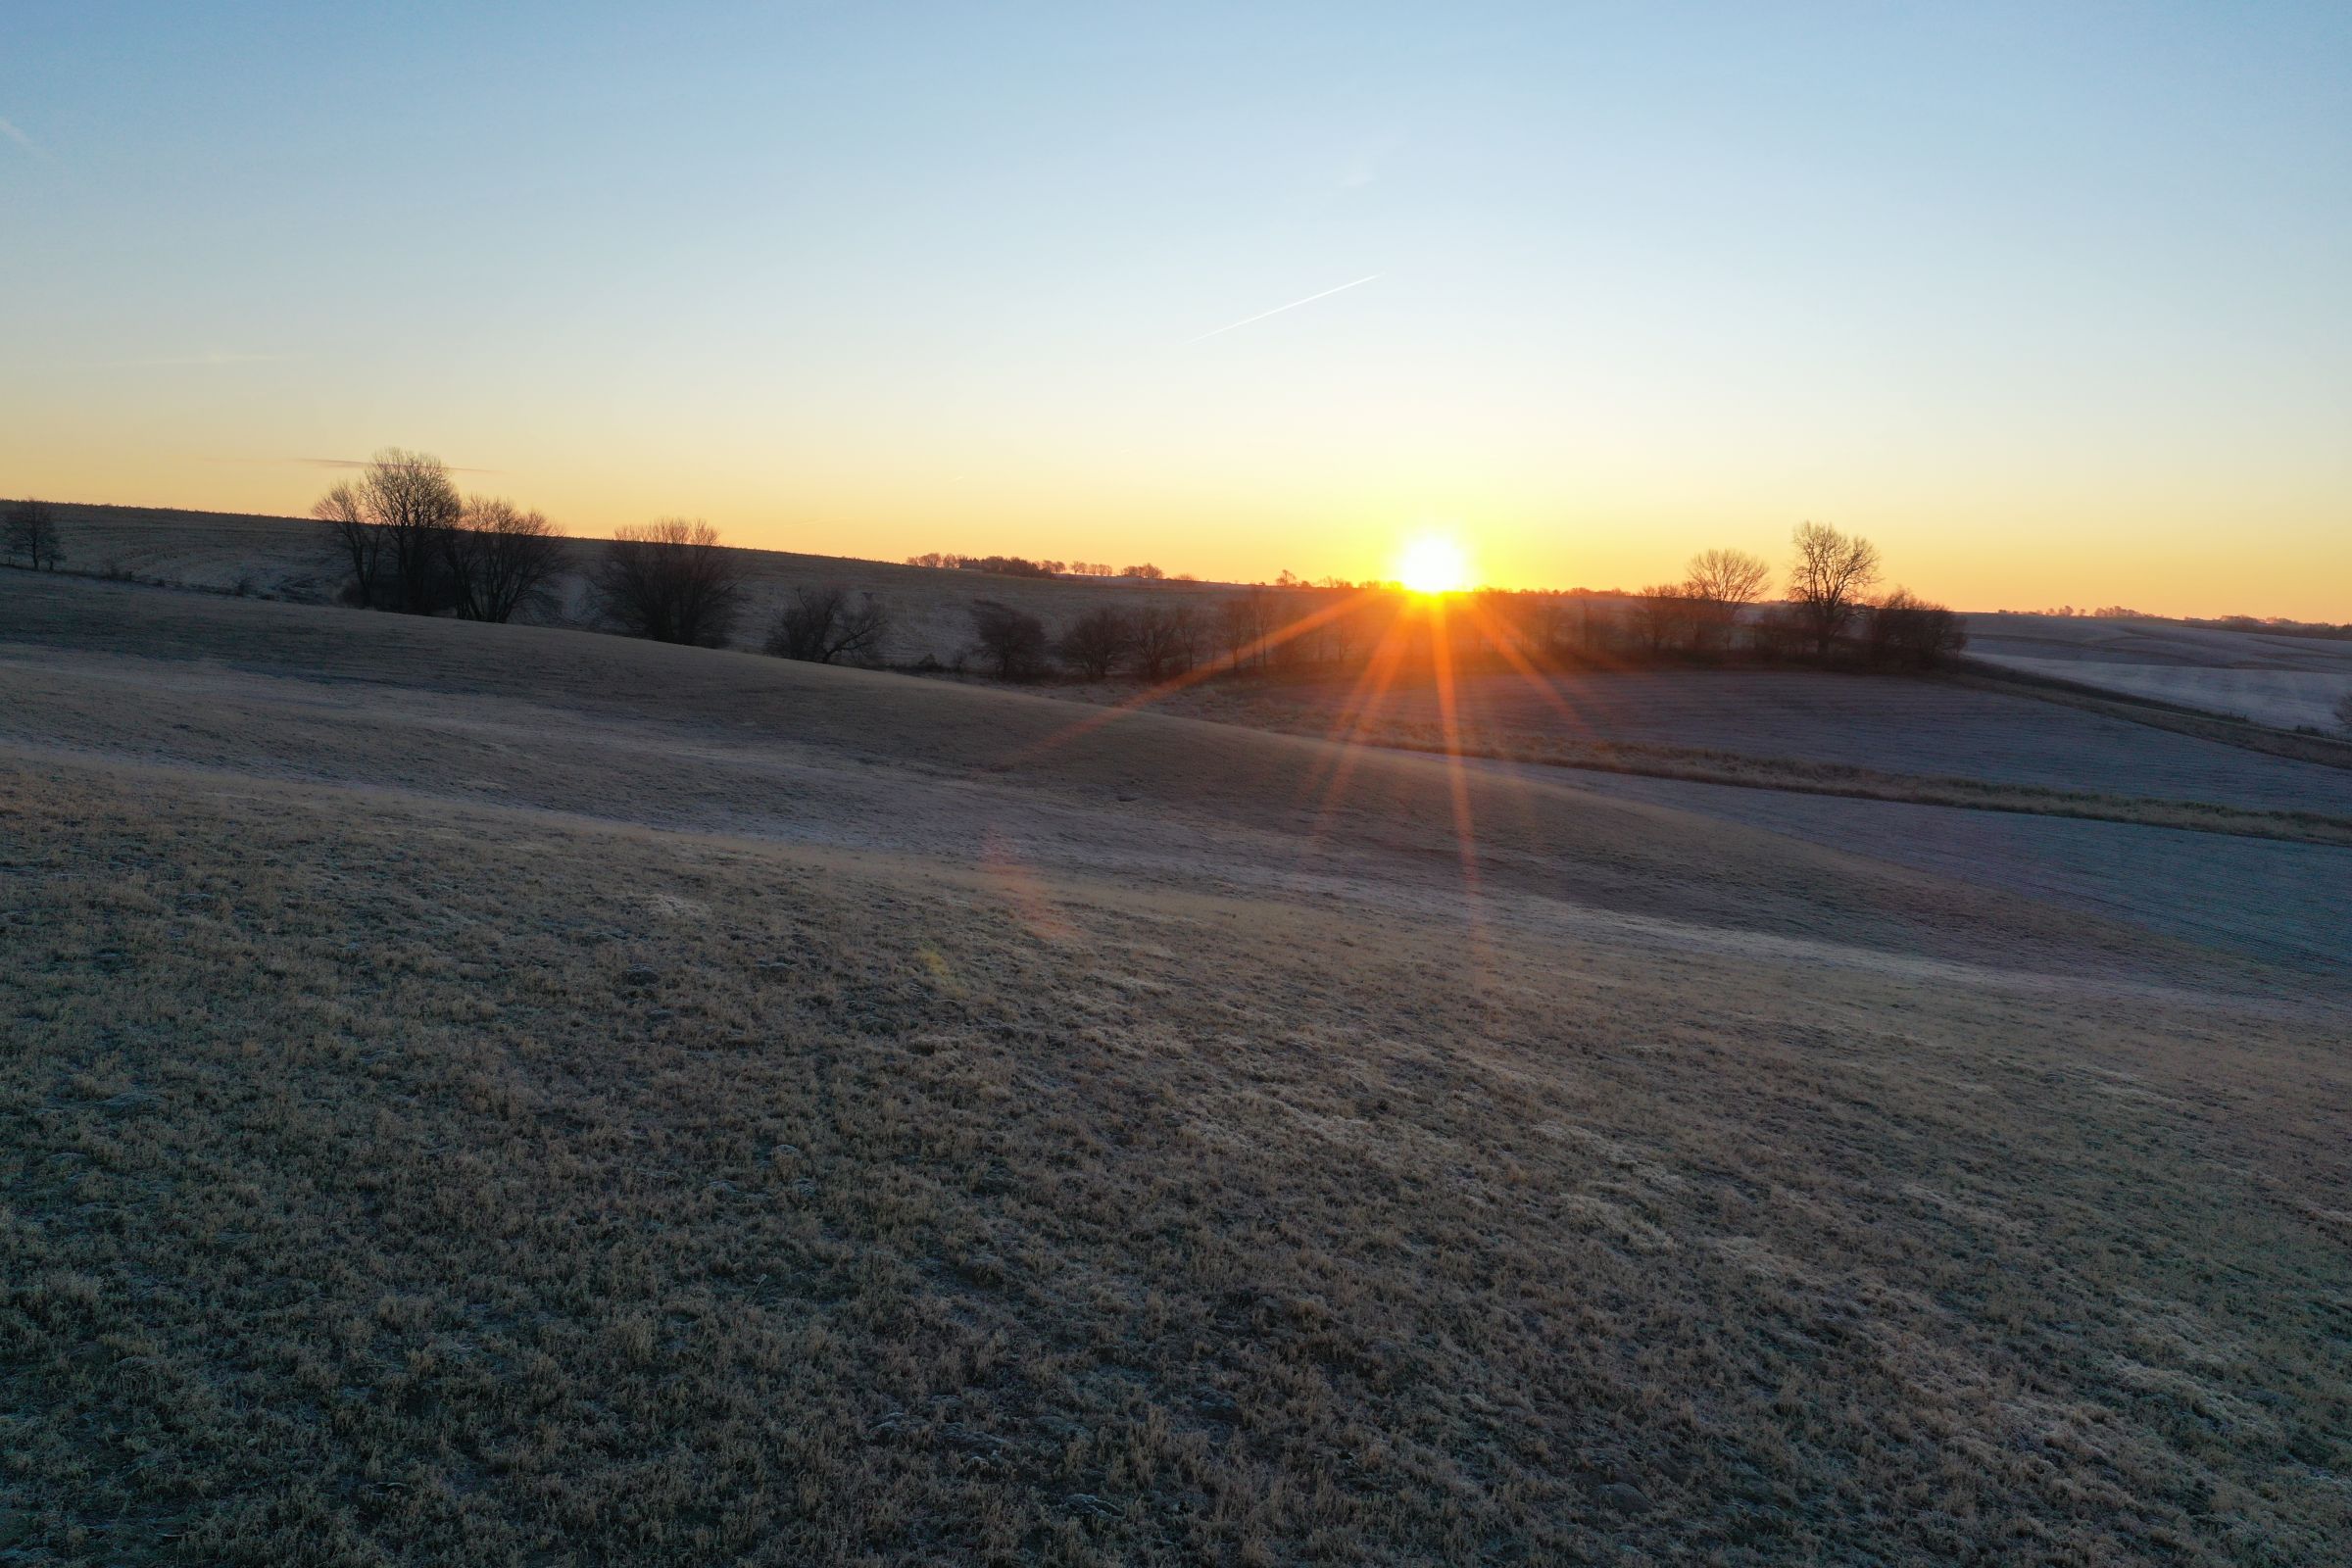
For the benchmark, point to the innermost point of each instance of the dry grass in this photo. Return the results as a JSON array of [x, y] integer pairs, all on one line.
[[398, 1168], [2320, 751], [2267, 678], [1281, 711], [1925, 730]]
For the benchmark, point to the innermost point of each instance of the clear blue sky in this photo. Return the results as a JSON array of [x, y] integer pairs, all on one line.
[[2043, 298]]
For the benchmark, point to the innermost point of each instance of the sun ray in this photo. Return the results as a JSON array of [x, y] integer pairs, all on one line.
[[1206, 671], [1379, 678], [1457, 772], [1500, 636], [1365, 696]]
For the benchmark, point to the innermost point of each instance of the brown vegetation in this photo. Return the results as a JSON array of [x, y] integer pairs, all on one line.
[[1096, 641], [1167, 641], [1012, 641], [391, 526], [825, 626], [417, 1146], [1905, 630], [502, 561], [28, 529], [670, 581]]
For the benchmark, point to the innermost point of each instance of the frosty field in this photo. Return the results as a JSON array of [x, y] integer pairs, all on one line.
[[470, 1090]]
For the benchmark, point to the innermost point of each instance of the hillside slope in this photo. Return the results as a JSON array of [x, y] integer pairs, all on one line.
[[483, 1095], [290, 558], [2271, 678]]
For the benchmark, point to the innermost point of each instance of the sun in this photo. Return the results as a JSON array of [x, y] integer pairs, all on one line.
[[1434, 565]]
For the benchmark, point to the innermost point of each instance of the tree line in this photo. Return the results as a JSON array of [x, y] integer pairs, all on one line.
[[1023, 567], [1828, 608], [1717, 612], [411, 542]]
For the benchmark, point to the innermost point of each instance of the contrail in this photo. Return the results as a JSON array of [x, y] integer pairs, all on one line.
[[1279, 308], [355, 463]]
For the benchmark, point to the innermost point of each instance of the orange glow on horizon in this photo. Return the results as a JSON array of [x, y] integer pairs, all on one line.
[[1434, 563]]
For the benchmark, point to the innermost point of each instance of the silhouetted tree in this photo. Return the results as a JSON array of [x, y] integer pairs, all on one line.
[[1148, 571], [672, 581], [1534, 622], [1167, 641], [822, 626], [1002, 565], [1723, 583], [1245, 622], [1662, 613], [1781, 631], [29, 529], [1906, 630], [1096, 641], [2343, 712], [1013, 640], [501, 560], [1828, 580], [1728, 576], [357, 540], [392, 524]]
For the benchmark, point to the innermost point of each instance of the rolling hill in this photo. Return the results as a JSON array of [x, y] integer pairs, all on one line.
[[481, 1094]]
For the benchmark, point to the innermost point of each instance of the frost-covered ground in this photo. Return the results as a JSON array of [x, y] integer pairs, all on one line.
[[2290, 682], [484, 1095]]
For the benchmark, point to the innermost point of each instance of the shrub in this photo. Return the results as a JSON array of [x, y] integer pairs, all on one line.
[[821, 625], [1166, 640], [1096, 641], [1012, 641], [1906, 630], [391, 528], [670, 581], [1667, 616], [501, 560], [29, 529]]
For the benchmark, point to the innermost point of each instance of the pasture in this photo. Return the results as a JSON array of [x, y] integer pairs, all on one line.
[[2267, 678], [486, 1093], [291, 559]]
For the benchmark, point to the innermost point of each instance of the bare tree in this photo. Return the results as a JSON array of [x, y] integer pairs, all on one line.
[[1245, 622], [1729, 576], [393, 524], [2343, 712], [1096, 641], [357, 540], [822, 626], [29, 529], [1828, 580], [1663, 613], [672, 581], [1013, 640], [1724, 583], [501, 560], [1906, 630], [1167, 641]]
